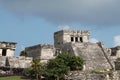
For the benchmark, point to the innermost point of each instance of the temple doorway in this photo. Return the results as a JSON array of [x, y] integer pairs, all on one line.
[[4, 52]]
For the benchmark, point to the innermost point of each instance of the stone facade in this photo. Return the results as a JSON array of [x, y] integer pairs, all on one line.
[[115, 52], [76, 42], [65, 36], [91, 75], [7, 48], [43, 52], [19, 62], [15, 62], [2, 61], [94, 55], [115, 56], [7, 58], [85, 75]]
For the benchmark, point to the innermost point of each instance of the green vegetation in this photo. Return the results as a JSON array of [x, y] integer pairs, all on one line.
[[60, 66], [72, 61], [23, 53], [56, 68], [34, 71], [11, 78], [36, 65], [27, 72]]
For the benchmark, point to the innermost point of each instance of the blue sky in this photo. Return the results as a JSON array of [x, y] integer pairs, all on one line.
[[28, 23]]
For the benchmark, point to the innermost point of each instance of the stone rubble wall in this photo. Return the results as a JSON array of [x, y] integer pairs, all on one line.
[[89, 75], [91, 52], [41, 51], [15, 62], [84, 75], [33, 51], [19, 62], [2, 61]]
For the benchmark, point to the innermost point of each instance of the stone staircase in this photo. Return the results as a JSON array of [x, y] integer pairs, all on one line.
[[93, 54]]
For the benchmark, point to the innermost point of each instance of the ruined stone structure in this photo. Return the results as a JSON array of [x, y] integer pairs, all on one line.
[[77, 42], [7, 48], [43, 52], [66, 36], [115, 56], [7, 58]]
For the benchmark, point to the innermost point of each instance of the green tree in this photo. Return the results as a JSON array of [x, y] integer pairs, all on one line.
[[60, 66], [26, 72], [36, 65], [56, 69], [74, 62], [23, 53]]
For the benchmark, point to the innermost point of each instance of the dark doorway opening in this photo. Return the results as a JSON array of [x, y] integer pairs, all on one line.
[[81, 40], [76, 39], [4, 52], [72, 39]]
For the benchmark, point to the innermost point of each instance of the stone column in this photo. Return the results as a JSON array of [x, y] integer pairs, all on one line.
[[0, 52], [79, 39], [73, 39], [9, 52]]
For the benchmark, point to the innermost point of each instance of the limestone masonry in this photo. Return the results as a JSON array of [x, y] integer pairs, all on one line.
[[76, 42], [7, 48], [7, 58]]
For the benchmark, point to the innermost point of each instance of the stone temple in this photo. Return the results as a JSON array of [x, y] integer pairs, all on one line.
[[7, 58], [7, 48], [76, 42]]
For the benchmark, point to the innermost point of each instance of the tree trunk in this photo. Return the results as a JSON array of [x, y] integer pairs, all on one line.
[[36, 76], [57, 78]]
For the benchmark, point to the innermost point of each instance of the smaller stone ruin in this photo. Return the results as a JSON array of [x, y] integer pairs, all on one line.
[[7, 58]]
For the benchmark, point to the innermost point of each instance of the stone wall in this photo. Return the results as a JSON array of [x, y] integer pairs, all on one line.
[[9, 52], [7, 48], [115, 52], [84, 75], [15, 62], [20, 62], [92, 53], [2, 61], [33, 51], [90, 75], [43, 52], [47, 52], [117, 64], [66, 36]]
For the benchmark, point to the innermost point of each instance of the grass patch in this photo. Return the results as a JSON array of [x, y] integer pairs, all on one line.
[[11, 78]]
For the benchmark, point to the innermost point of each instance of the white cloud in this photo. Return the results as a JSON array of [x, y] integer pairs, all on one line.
[[66, 27], [87, 12], [117, 40], [93, 40]]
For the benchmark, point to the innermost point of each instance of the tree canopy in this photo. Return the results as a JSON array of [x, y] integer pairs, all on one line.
[[56, 68], [23, 53], [60, 66], [72, 61], [36, 65]]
